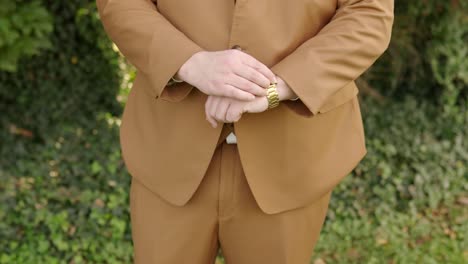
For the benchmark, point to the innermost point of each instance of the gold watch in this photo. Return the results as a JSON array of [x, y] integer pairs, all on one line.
[[272, 96]]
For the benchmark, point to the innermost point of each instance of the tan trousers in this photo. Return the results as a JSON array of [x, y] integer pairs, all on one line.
[[221, 214]]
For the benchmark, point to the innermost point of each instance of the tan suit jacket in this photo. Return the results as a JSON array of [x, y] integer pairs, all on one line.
[[291, 154]]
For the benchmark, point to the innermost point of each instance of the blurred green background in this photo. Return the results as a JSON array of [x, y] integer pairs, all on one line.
[[64, 187]]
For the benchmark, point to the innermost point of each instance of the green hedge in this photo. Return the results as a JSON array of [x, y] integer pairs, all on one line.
[[407, 201], [60, 155], [65, 201], [69, 83], [24, 31], [427, 55]]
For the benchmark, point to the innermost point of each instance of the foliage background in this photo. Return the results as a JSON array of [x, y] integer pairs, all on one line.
[[64, 187]]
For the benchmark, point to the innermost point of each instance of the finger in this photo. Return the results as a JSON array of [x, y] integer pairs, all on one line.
[[250, 80], [212, 110], [236, 93], [233, 113], [208, 106], [260, 67], [220, 114]]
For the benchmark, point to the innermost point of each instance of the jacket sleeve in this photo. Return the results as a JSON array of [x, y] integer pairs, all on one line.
[[358, 33], [150, 42]]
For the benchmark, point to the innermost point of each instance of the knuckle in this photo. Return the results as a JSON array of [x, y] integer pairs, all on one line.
[[229, 77], [261, 83], [255, 87], [219, 116], [250, 88], [232, 92], [231, 116], [225, 62], [258, 79], [242, 95], [252, 75], [234, 52], [235, 116], [230, 60], [246, 84], [258, 66]]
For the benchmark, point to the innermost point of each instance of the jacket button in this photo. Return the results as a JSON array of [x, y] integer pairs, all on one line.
[[237, 47]]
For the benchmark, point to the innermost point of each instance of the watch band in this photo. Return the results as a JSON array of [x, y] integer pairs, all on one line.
[[272, 96]]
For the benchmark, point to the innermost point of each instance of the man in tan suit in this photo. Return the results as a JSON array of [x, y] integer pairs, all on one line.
[[257, 186]]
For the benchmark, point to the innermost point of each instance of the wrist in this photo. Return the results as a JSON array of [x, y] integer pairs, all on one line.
[[184, 71], [284, 91]]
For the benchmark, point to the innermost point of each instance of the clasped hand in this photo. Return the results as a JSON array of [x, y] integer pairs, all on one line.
[[234, 81], [229, 110]]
